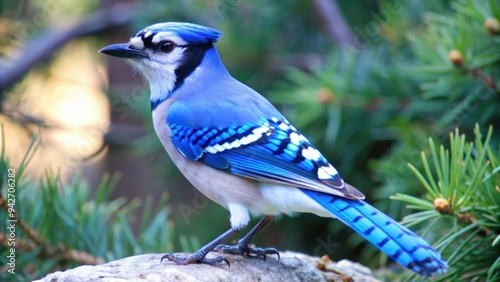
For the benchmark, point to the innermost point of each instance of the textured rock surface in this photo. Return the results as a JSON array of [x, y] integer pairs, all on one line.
[[291, 267]]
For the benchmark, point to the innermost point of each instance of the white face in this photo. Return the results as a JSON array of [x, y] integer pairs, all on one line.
[[160, 65]]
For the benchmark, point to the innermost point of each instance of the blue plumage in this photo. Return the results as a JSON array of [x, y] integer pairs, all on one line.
[[272, 151], [192, 33], [212, 119], [397, 241]]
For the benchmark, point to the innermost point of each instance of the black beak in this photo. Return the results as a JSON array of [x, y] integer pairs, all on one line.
[[123, 51]]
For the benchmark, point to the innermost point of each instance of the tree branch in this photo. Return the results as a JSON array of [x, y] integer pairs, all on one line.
[[59, 251], [50, 40], [334, 22]]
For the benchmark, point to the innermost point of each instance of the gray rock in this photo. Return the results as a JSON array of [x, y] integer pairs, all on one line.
[[291, 267]]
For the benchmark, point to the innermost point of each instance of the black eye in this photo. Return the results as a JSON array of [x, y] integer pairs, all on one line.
[[167, 46]]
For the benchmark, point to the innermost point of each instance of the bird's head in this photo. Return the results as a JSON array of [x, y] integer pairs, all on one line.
[[166, 53]]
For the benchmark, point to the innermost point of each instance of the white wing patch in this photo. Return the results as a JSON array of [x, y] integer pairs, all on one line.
[[295, 138], [255, 135], [283, 126], [311, 153], [327, 172], [308, 152]]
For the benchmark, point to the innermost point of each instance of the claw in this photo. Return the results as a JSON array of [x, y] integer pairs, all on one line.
[[228, 264], [273, 251], [167, 256]]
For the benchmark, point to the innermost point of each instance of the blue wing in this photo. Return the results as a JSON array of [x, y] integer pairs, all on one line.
[[271, 150]]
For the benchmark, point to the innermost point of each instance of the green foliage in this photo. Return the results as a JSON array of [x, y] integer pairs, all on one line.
[[467, 86], [63, 225], [462, 209]]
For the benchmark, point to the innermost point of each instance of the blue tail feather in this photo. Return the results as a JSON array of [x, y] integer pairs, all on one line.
[[397, 241]]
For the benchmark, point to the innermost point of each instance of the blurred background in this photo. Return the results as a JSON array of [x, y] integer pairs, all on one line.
[[368, 82]]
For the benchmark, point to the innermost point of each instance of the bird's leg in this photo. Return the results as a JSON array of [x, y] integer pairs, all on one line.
[[242, 247], [200, 255]]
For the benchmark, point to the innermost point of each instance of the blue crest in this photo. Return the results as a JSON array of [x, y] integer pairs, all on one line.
[[192, 33]]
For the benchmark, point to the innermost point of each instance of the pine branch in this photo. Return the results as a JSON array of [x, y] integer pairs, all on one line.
[[487, 80], [456, 59], [35, 241], [461, 183]]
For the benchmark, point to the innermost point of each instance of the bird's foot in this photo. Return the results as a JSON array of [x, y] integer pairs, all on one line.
[[195, 258], [244, 249]]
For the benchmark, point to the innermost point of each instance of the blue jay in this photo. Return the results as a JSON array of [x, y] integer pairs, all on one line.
[[239, 151]]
